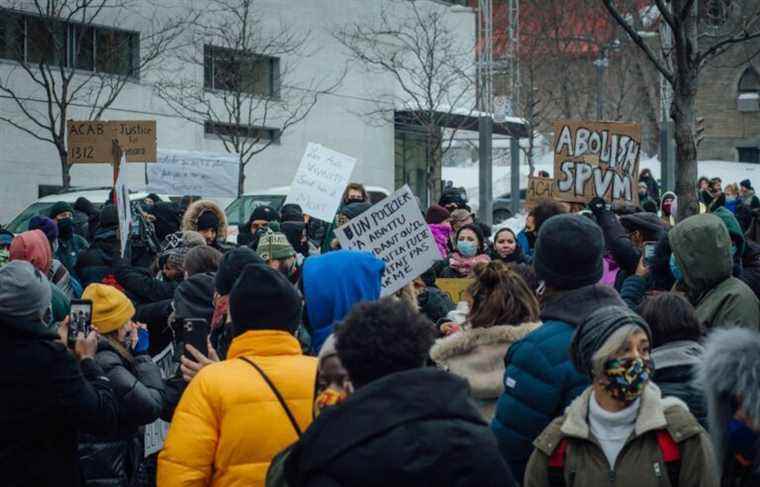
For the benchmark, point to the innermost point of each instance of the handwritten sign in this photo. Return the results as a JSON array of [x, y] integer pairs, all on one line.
[[395, 231], [455, 288], [90, 141], [538, 189], [320, 181], [597, 159], [155, 432], [123, 208], [194, 173]]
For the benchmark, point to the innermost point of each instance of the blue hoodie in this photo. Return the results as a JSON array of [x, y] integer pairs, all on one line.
[[333, 283]]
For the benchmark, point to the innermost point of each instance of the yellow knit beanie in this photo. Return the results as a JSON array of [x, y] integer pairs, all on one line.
[[110, 307]]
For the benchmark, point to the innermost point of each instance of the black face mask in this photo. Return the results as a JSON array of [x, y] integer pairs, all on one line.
[[66, 228], [356, 200]]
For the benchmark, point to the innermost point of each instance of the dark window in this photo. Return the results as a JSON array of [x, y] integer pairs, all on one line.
[[750, 81], [37, 39], [234, 70], [247, 131], [749, 154]]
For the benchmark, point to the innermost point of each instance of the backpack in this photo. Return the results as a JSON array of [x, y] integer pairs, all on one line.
[[670, 455]]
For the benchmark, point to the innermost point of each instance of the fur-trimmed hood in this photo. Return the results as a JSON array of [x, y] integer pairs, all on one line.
[[477, 354], [729, 368], [190, 218]]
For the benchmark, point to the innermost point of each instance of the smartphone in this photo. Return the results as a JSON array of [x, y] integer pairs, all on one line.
[[80, 319], [649, 248], [195, 332]]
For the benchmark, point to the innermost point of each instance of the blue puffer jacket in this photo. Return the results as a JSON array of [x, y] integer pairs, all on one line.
[[540, 380]]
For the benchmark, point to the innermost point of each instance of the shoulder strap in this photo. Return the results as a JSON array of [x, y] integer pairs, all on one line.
[[671, 455], [556, 471], [276, 393]]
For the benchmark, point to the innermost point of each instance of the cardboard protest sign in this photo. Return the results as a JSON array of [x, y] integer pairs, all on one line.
[[455, 288], [194, 173], [122, 205], [90, 141], [155, 432], [538, 189], [395, 231], [597, 159], [320, 181]]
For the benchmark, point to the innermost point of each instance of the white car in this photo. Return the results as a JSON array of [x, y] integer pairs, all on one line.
[[42, 206]]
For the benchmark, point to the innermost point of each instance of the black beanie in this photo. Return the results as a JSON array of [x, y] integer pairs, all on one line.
[[60, 207], [291, 213], [109, 217], [569, 252], [263, 299], [231, 266], [208, 221]]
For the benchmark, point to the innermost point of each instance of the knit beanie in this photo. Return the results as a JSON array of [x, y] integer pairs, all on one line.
[[263, 299], [208, 221], [6, 237], [60, 207], [596, 330], [436, 214], [291, 213], [569, 252], [109, 217], [274, 246], [110, 307], [231, 266], [25, 297], [194, 297], [46, 226], [264, 213], [747, 184], [458, 216], [176, 245]]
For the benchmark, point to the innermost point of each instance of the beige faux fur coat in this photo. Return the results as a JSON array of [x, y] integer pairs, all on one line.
[[477, 354]]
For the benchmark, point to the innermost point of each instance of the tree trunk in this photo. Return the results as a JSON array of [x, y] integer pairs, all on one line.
[[65, 169], [684, 117], [241, 180]]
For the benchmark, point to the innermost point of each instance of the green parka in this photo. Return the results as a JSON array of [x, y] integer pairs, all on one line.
[[702, 248], [640, 462]]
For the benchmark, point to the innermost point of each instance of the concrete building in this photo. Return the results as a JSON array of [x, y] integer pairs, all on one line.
[[30, 167]]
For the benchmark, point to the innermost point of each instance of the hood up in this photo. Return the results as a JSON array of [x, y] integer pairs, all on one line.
[[194, 211], [33, 247]]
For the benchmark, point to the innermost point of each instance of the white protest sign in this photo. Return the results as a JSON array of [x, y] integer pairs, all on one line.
[[122, 204], [155, 432], [194, 173], [320, 181], [395, 231]]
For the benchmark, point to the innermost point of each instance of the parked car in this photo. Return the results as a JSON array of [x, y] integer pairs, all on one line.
[[502, 206]]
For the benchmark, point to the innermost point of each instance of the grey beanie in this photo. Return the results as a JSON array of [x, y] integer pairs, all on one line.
[[569, 252], [597, 329], [25, 295]]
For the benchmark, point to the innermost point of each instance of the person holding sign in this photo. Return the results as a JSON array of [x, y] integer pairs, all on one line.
[[470, 250]]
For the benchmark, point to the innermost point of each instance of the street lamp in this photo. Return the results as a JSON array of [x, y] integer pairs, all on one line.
[[601, 63]]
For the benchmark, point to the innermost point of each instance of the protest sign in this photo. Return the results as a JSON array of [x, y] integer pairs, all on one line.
[[538, 189], [395, 231], [320, 181], [194, 173], [122, 205], [455, 288], [155, 432], [597, 159], [90, 141]]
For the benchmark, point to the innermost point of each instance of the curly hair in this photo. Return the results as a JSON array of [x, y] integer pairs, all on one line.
[[500, 297], [381, 338]]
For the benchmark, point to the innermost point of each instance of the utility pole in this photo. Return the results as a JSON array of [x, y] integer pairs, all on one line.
[[485, 108], [513, 35], [601, 64]]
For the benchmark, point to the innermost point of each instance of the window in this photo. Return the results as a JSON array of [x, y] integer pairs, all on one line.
[[233, 70], [750, 81], [246, 131], [749, 154], [36, 39]]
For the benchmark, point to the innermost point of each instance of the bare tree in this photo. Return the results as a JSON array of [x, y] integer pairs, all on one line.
[[237, 77], [432, 71], [696, 33], [64, 58]]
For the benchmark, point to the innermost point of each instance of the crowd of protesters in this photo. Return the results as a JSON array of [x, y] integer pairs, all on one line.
[[617, 346]]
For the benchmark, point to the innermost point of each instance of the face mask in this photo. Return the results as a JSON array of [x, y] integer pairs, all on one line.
[[627, 377], [356, 200], [667, 206], [66, 227], [467, 249], [329, 397], [674, 269]]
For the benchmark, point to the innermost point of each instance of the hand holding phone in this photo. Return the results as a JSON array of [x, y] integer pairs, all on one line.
[[80, 320], [649, 253]]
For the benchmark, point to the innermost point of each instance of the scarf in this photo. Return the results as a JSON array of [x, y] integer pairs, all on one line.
[[221, 307], [441, 235], [463, 265]]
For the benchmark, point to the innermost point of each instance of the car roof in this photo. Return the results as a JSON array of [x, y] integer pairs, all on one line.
[[284, 190], [95, 195]]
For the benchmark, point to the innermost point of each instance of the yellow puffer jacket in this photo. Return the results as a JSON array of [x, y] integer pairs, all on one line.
[[229, 424]]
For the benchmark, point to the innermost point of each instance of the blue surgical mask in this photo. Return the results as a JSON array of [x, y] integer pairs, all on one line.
[[674, 269], [466, 248]]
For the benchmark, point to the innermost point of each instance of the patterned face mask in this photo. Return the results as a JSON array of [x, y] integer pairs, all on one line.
[[627, 377], [329, 397]]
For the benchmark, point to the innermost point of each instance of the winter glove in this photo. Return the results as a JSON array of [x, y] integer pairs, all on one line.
[[143, 341], [598, 206]]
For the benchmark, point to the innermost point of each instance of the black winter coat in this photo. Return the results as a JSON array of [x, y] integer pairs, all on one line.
[[751, 266], [140, 285], [675, 365], [47, 400], [112, 459], [96, 262], [413, 428]]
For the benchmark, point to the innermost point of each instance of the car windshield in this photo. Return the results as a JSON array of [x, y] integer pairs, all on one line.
[[240, 210], [21, 222]]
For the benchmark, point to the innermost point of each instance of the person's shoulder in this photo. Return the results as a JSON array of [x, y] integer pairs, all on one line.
[[551, 437], [681, 424]]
